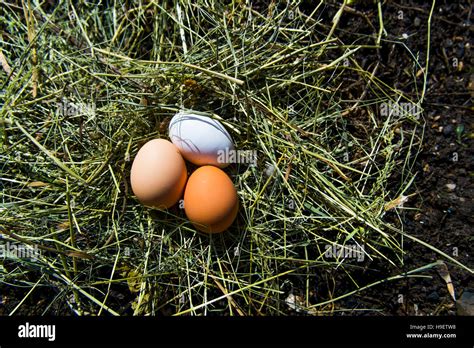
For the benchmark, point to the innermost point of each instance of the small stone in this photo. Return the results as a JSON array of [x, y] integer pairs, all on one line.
[[417, 22], [448, 129], [269, 170], [449, 43], [434, 297], [450, 187], [465, 305]]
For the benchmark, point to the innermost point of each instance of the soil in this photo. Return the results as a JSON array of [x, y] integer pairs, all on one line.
[[444, 209]]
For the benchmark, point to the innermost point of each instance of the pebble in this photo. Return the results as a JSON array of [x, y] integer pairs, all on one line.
[[448, 129], [417, 22], [465, 305], [434, 296], [269, 170], [450, 187]]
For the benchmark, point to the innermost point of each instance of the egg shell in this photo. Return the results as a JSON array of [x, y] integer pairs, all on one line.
[[200, 138], [210, 200], [158, 175]]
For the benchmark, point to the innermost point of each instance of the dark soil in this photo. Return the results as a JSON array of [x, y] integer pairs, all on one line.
[[444, 214]]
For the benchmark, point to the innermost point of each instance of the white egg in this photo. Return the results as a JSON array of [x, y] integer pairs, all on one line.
[[201, 139]]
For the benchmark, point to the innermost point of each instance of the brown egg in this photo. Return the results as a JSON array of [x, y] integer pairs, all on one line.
[[210, 200], [158, 174]]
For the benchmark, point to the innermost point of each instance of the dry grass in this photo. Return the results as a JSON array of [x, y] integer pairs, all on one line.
[[84, 86]]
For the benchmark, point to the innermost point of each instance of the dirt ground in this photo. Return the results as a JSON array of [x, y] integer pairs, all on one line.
[[444, 209]]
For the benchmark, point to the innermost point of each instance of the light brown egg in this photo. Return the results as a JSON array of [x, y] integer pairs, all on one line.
[[210, 200], [158, 174]]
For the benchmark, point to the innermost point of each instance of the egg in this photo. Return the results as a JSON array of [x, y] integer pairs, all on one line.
[[210, 200], [201, 139], [158, 175]]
